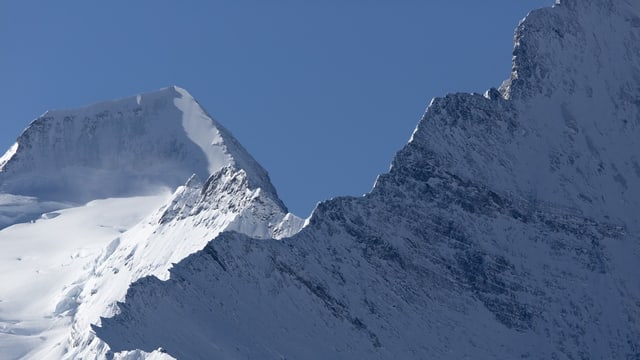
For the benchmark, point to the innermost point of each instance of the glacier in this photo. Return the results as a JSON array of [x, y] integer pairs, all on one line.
[[507, 227]]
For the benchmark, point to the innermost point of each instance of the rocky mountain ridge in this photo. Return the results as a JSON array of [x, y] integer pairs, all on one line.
[[506, 228]]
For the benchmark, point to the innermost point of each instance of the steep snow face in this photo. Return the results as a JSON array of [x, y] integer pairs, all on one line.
[[506, 228], [195, 213], [8, 155], [119, 148]]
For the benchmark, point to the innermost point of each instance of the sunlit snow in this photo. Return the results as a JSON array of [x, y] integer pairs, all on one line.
[[43, 266]]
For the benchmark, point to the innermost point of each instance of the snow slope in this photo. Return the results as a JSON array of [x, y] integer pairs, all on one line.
[[41, 265], [506, 228], [69, 267], [196, 213], [122, 147]]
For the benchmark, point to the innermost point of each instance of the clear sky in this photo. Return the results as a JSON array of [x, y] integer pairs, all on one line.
[[322, 93]]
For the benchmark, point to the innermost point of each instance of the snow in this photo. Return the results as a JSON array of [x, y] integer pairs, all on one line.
[[219, 146], [119, 148], [16, 208], [43, 264], [506, 228], [141, 355], [199, 128], [195, 214], [8, 155], [74, 261]]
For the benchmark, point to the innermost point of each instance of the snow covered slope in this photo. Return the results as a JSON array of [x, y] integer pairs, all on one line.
[[196, 213], [60, 273], [123, 147], [42, 266], [507, 228]]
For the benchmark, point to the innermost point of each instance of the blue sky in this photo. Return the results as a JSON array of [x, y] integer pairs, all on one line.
[[321, 93]]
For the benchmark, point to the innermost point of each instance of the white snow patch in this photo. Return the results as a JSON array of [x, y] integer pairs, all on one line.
[[41, 267], [8, 155]]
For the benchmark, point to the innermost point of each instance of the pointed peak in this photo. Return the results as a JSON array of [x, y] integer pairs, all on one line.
[[172, 91], [551, 43], [153, 98], [180, 90], [159, 137]]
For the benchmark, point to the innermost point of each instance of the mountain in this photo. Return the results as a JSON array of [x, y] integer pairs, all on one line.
[[506, 228], [125, 147], [113, 194]]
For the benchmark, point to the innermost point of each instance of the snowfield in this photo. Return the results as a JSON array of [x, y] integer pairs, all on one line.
[[44, 264]]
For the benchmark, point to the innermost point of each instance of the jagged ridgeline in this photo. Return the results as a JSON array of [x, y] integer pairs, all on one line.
[[507, 228], [102, 189]]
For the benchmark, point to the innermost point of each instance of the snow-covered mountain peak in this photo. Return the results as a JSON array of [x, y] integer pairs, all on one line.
[[122, 147], [506, 228], [126, 152], [568, 49], [567, 124]]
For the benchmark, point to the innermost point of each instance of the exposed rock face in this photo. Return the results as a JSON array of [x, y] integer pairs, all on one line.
[[506, 228]]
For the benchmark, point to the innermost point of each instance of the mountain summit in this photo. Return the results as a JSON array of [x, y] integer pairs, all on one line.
[[122, 147]]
